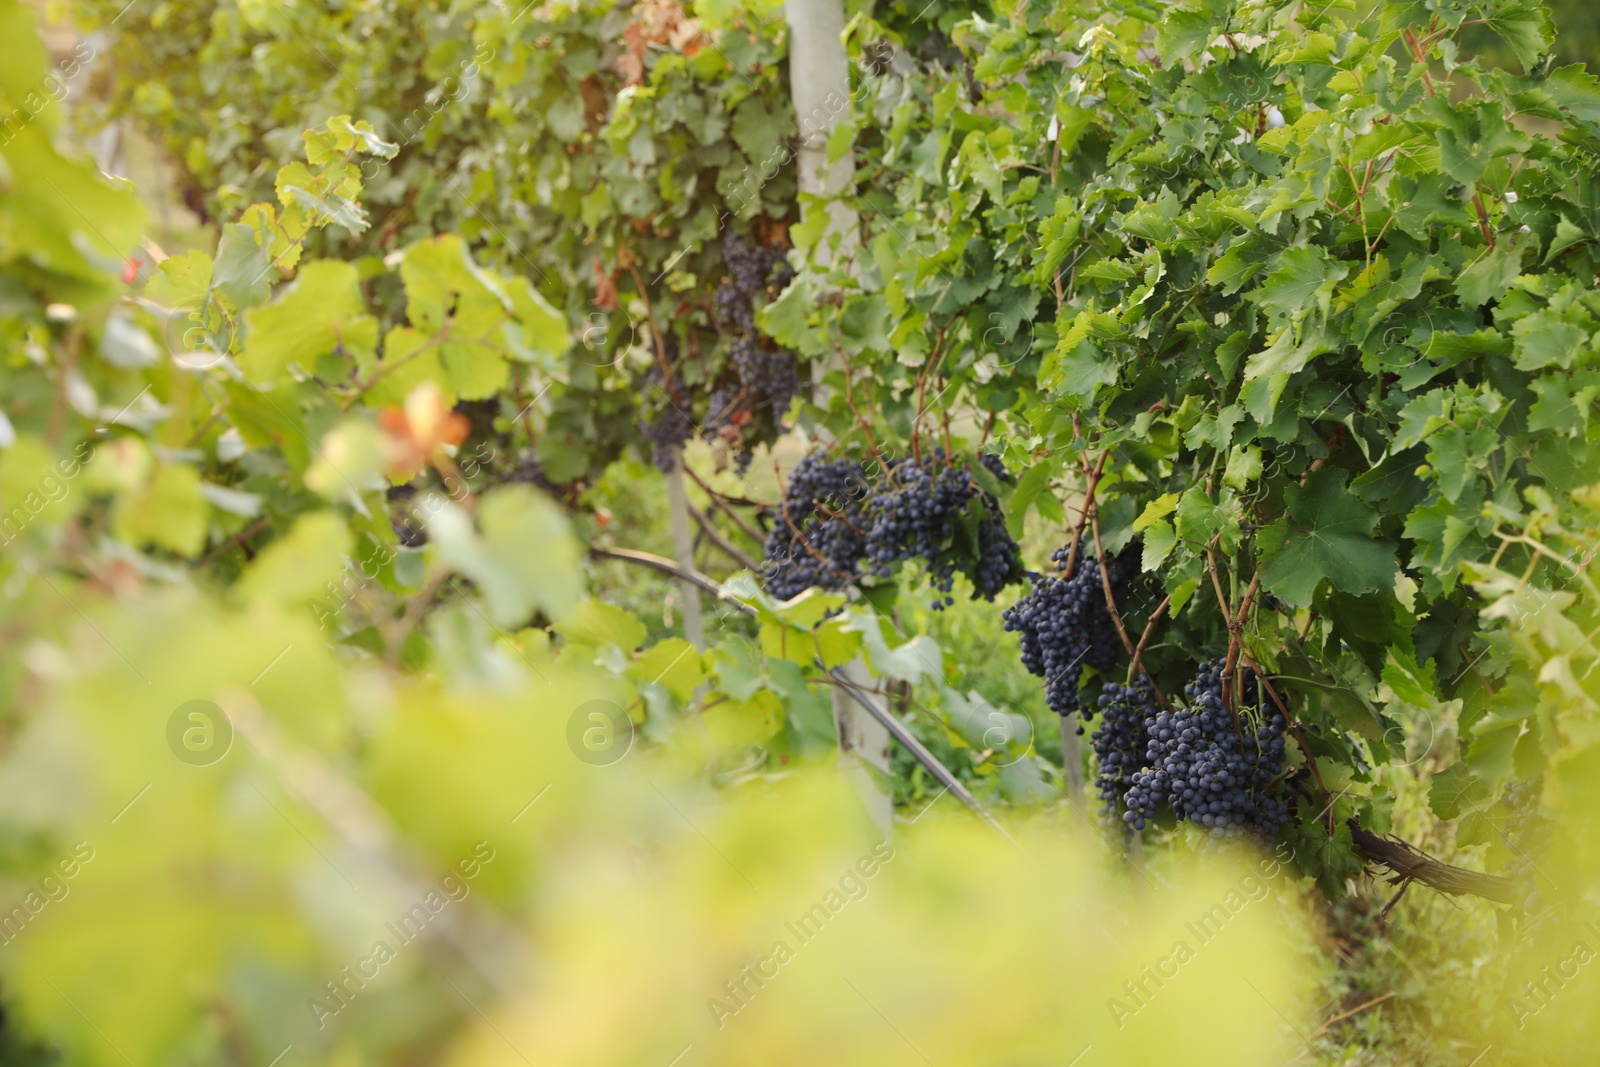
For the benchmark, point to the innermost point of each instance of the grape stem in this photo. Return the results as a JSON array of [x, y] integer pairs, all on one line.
[[722, 501], [715, 536], [850, 398], [655, 337], [784, 500], [1111, 604], [233, 542], [1227, 619], [1283, 709], [922, 382], [1235, 632], [1216, 581], [1083, 515], [835, 513], [1144, 638]]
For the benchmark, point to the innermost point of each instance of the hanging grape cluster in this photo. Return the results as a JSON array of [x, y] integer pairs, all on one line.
[[1211, 766], [1121, 740], [669, 427], [759, 380], [817, 538], [835, 526], [1064, 625], [764, 377]]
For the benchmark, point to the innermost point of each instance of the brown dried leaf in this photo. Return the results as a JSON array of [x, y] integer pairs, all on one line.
[[605, 287]]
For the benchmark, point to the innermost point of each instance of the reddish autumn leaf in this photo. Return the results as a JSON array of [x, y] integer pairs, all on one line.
[[605, 287], [419, 432]]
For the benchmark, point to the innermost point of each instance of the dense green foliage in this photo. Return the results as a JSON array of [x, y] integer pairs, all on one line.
[[1293, 306], [599, 150], [1315, 337]]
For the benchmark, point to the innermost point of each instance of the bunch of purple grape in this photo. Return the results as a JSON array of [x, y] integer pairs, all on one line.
[[931, 509], [836, 527], [1209, 765], [768, 377], [817, 537], [670, 426], [1064, 625], [1121, 740]]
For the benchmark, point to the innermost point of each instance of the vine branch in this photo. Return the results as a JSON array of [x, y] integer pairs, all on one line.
[[1144, 638], [1405, 862], [1116, 616], [1083, 515]]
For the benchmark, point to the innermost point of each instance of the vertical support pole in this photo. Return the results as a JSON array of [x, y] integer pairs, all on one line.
[[863, 743], [683, 552], [1072, 760], [819, 84]]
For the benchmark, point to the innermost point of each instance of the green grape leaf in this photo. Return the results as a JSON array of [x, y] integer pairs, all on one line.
[[594, 622], [522, 557], [672, 663], [242, 267], [1526, 29], [1326, 535], [169, 512], [295, 569], [320, 313]]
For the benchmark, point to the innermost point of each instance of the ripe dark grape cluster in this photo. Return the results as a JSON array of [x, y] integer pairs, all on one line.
[[1210, 767], [1121, 740], [670, 426], [1064, 624], [817, 537], [837, 526], [767, 377], [666, 433]]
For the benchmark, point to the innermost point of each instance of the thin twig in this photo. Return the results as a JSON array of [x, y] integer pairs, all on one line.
[[716, 537], [922, 379], [1405, 884], [1416, 50], [850, 398], [1105, 583], [1342, 1016], [1311, 757], [722, 501], [1111, 607], [1083, 516], [784, 501], [655, 336], [1144, 638], [234, 542], [1483, 221], [1235, 632]]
